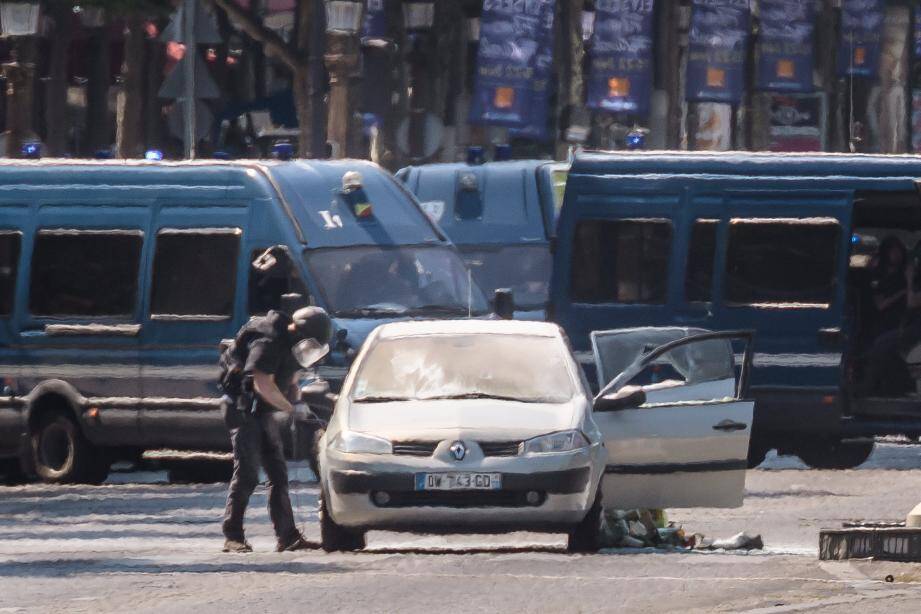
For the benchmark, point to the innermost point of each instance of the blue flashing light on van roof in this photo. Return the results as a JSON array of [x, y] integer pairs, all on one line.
[[283, 151], [475, 155], [154, 155], [32, 150]]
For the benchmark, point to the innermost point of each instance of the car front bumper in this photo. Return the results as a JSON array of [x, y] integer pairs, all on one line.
[[549, 492]]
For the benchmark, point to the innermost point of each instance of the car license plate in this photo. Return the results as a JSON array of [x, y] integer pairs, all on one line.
[[458, 481]]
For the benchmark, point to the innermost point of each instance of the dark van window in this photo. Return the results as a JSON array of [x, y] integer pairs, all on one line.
[[782, 261], [195, 273], [85, 273], [698, 282], [621, 261], [9, 262]]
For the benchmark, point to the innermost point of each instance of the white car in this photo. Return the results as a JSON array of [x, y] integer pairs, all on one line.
[[486, 426]]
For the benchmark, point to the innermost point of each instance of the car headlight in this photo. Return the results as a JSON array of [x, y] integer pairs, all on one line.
[[352, 442], [564, 441]]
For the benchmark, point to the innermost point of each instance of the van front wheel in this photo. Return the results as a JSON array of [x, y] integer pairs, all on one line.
[[835, 453], [62, 455]]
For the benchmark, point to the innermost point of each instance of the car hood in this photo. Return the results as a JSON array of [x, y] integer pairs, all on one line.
[[441, 419]]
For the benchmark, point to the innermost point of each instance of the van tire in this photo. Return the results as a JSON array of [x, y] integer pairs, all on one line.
[[334, 537], [585, 538], [62, 455], [835, 453]]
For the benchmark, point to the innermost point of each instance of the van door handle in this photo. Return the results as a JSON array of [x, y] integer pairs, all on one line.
[[92, 330], [729, 425]]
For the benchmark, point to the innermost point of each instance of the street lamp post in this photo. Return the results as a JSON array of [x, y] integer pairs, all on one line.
[[343, 21], [418, 19]]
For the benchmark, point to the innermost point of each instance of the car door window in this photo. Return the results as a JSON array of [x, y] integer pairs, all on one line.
[[10, 244], [621, 261], [266, 287], [85, 272], [698, 367], [195, 273]]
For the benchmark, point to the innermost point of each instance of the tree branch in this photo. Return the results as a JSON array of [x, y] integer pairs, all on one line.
[[273, 45]]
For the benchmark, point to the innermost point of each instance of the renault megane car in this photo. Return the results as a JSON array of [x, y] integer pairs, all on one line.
[[487, 426]]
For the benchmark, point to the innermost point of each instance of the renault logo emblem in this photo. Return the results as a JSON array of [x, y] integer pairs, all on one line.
[[459, 450]]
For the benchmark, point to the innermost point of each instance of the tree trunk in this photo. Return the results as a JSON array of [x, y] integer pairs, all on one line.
[[129, 131], [98, 129], [57, 117]]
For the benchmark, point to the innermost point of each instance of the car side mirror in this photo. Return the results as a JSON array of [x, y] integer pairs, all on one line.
[[622, 399], [504, 304]]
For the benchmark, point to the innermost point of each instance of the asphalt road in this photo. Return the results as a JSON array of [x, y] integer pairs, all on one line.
[[139, 544]]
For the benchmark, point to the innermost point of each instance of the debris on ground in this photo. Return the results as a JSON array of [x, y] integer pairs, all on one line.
[[641, 528]]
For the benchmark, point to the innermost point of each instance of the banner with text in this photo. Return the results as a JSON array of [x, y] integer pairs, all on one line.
[[861, 37], [717, 49], [785, 46], [620, 57], [514, 64]]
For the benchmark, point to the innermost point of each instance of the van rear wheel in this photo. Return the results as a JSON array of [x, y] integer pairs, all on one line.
[[62, 455], [835, 453]]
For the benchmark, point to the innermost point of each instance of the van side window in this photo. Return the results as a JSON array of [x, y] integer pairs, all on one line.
[[782, 261], [621, 261], [698, 282], [10, 244], [85, 272], [267, 287], [195, 272]]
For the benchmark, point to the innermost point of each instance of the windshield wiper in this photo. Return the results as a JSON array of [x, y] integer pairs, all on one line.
[[367, 312], [480, 395], [380, 399], [442, 309]]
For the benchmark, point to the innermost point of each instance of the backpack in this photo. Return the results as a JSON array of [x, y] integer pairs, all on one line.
[[232, 362]]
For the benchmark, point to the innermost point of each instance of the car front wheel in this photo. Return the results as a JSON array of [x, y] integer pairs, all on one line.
[[585, 538], [334, 537]]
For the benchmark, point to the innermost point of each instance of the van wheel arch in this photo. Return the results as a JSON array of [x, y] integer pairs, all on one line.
[[59, 450]]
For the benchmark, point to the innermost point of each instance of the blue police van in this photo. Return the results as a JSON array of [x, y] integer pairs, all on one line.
[[501, 216], [118, 281], [786, 245]]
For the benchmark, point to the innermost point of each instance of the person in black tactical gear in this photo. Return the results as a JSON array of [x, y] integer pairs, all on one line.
[[258, 371]]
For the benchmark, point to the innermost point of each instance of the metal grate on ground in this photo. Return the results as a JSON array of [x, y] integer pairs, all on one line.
[[881, 541]]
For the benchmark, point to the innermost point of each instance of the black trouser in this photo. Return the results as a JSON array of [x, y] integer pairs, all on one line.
[[885, 372], [257, 440]]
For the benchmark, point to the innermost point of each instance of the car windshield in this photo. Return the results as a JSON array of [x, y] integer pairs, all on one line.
[[395, 281], [524, 368], [523, 269]]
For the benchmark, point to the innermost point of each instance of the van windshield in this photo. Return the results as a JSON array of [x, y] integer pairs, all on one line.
[[373, 281], [525, 269]]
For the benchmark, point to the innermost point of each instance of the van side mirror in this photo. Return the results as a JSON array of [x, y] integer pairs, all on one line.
[[623, 399], [504, 304], [293, 301]]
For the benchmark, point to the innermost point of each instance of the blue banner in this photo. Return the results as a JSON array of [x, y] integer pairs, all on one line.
[[375, 26], [861, 37], [620, 58], [785, 46], [514, 64], [717, 49]]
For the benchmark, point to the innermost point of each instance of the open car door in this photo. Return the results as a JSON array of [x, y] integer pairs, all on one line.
[[686, 444]]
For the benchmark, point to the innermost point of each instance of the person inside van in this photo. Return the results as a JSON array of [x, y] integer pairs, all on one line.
[[889, 287], [886, 373]]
